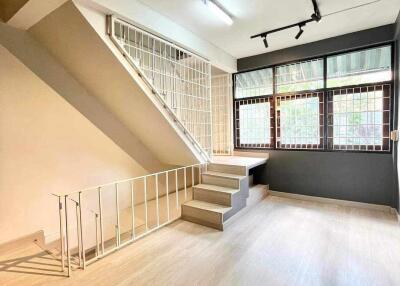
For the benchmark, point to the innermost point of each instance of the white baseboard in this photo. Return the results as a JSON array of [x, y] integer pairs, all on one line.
[[334, 201], [36, 237], [51, 237]]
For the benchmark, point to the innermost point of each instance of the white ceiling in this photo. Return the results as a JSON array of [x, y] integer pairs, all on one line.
[[255, 16]]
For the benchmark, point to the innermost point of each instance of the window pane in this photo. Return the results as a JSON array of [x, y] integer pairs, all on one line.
[[300, 120], [307, 75], [253, 126], [358, 118], [366, 66], [254, 83]]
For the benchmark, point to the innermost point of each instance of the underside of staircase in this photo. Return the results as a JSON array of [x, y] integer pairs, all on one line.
[[222, 192]]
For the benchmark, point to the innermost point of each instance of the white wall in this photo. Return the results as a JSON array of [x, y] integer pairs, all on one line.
[[46, 146]]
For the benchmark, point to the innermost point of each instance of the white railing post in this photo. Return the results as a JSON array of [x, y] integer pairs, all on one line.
[[145, 203], [61, 233], [78, 231], [118, 237], [167, 193], [67, 236], [184, 182], [133, 210], [177, 189], [96, 220], [81, 230], [101, 221], [157, 202]]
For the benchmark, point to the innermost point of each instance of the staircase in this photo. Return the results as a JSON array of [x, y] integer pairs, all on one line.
[[223, 192]]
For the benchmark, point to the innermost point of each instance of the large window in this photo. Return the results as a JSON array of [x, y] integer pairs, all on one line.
[[340, 102], [359, 118], [300, 123], [254, 122]]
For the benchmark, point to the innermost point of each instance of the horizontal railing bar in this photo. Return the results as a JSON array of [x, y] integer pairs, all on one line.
[[126, 180]]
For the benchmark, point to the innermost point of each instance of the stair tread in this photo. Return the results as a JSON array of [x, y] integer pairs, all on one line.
[[224, 175], [216, 188], [208, 206]]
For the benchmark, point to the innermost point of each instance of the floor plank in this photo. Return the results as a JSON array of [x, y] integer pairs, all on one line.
[[280, 241]]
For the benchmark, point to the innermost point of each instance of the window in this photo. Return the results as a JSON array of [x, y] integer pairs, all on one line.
[[359, 118], [366, 66], [300, 121], [334, 103], [254, 83], [254, 122], [307, 75]]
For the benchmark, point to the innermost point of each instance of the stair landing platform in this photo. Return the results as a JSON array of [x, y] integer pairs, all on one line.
[[247, 162]]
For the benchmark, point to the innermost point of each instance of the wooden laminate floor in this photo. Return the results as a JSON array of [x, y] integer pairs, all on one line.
[[280, 241]]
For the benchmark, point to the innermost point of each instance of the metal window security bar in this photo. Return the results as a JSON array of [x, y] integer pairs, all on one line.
[[180, 78], [97, 221], [254, 123], [330, 76], [300, 121], [359, 118], [222, 114]]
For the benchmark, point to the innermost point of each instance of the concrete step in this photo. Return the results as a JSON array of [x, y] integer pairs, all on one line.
[[230, 169], [215, 194], [222, 179], [205, 213]]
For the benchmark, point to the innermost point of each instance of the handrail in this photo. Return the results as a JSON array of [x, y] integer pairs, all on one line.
[[186, 132], [66, 229], [124, 180]]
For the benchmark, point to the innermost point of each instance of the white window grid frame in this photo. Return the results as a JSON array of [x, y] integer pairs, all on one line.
[[385, 126], [251, 101], [278, 117]]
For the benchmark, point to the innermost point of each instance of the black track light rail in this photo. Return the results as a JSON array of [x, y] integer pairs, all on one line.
[[263, 34], [314, 18]]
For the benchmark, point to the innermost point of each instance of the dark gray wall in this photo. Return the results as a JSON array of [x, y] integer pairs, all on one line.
[[362, 177], [357, 177], [328, 46]]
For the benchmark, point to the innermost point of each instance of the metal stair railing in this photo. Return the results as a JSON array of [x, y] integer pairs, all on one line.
[[79, 225], [179, 79]]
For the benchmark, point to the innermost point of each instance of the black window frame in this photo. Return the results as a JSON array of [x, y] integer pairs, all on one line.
[[326, 91]]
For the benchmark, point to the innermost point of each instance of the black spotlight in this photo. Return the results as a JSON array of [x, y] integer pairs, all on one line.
[[316, 17], [265, 42], [299, 33]]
